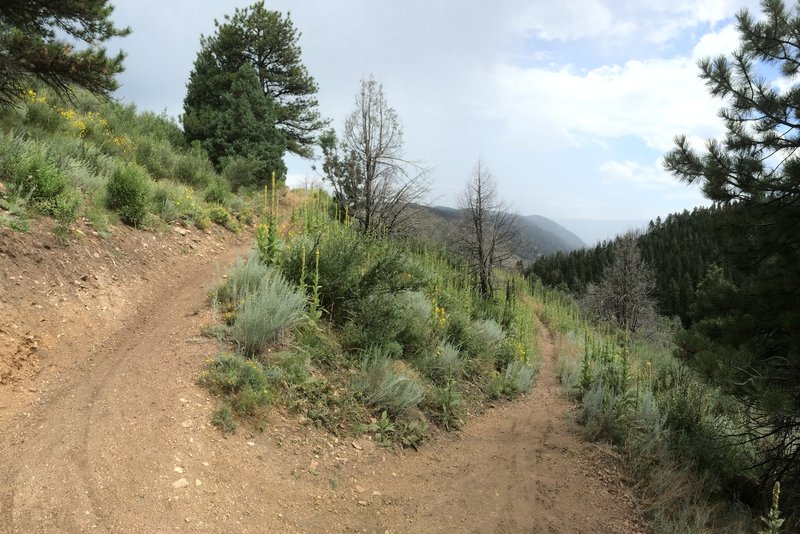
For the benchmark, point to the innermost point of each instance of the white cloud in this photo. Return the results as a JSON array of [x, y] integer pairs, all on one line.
[[723, 41], [566, 20], [642, 176], [640, 20], [653, 100]]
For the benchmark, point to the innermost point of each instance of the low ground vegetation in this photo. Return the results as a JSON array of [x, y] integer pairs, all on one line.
[[105, 162], [363, 334], [672, 429]]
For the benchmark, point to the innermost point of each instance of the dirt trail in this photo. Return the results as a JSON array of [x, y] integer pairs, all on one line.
[[119, 441], [518, 468]]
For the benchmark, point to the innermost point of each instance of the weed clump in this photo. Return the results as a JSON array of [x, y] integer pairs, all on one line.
[[244, 383], [223, 419]]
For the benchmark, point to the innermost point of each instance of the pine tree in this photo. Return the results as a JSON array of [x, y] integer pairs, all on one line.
[[267, 42], [686, 243], [747, 338], [244, 126], [37, 45]]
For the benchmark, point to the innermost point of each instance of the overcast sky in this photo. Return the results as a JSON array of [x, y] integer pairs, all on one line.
[[571, 105]]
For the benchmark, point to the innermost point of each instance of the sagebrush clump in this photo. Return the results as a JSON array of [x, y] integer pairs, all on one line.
[[268, 312]]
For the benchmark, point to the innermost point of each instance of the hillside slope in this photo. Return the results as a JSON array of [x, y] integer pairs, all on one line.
[[568, 238], [536, 236], [111, 431], [680, 249]]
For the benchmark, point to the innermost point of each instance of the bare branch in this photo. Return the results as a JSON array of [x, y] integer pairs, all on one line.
[[488, 230], [366, 169]]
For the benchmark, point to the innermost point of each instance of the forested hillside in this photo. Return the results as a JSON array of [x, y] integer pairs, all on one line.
[[680, 249]]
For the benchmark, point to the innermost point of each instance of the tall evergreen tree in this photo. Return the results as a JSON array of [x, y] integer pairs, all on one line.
[[244, 126], [35, 46], [267, 41], [747, 340]]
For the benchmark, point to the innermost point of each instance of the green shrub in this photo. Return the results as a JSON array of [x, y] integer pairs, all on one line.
[[63, 208], [201, 220], [155, 156], [403, 318], [416, 334], [128, 192], [494, 385], [98, 218], [242, 279], [268, 313], [241, 172], [167, 209], [447, 407], [217, 192], [321, 346], [194, 169], [149, 124], [458, 331], [239, 208], [351, 267], [244, 383], [490, 334], [385, 384], [230, 373], [99, 163], [518, 377], [14, 212], [173, 201], [43, 115], [441, 365], [250, 399], [81, 175], [39, 178], [339, 269], [11, 149], [605, 413], [223, 419], [513, 349], [290, 367], [220, 216]]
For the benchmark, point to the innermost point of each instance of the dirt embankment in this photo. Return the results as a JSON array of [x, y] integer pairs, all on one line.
[[105, 430]]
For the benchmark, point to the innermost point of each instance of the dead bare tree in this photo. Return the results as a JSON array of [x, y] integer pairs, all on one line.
[[367, 170], [487, 239], [624, 294]]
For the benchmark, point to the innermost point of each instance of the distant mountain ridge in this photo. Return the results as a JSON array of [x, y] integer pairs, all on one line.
[[536, 236], [594, 231], [569, 238]]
